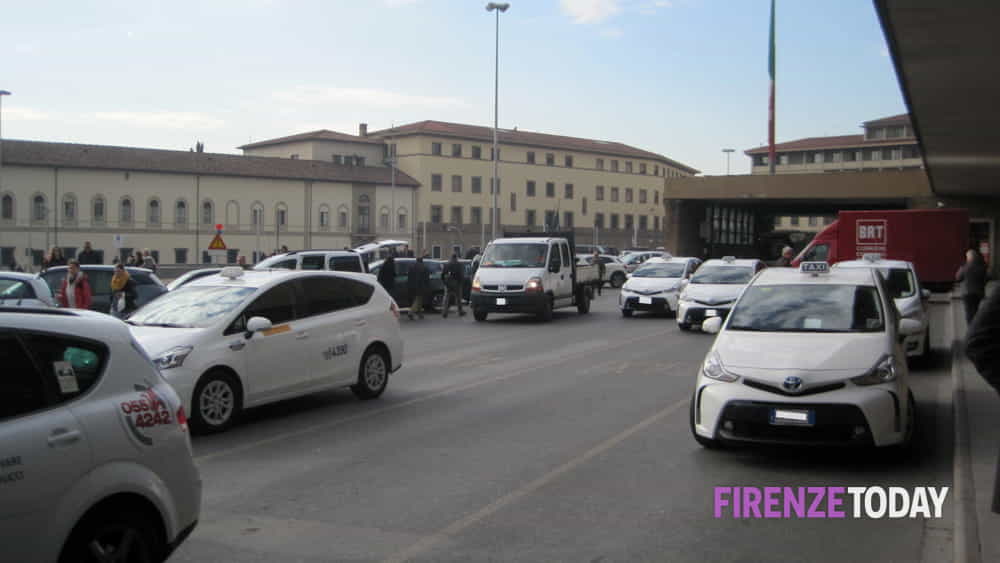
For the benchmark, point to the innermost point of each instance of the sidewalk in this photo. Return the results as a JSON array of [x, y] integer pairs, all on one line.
[[977, 443]]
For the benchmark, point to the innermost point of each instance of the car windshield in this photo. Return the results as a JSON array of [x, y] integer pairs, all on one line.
[[191, 306], [516, 255], [809, 308], [723, 275], [659, 271]]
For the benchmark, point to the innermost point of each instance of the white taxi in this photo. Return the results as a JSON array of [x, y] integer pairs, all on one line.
[[655, 285], [902, 282], [244, 338], [95, 456], [807, 356], [712, 290]]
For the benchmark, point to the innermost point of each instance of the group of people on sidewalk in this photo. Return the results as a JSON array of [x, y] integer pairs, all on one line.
[[418, 284]]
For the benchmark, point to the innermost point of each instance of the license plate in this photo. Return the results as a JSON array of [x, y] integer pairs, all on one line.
[[711, 313], [646, 300], [794, 417], [501, 301]]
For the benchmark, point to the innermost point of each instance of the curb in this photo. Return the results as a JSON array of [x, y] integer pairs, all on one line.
[[966, 539]]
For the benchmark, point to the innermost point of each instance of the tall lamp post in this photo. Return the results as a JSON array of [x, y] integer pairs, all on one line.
[[497, 7], [728, 152], [2, 94]]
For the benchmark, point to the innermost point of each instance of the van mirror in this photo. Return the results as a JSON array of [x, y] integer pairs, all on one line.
[[712, 325], [925, 294]]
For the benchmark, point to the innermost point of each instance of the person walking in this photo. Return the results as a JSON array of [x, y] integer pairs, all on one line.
[[387, 274], [418, 281], [88, 255], [973, 277], [787, 255], [148, 261], [54, 258], [74, 293], [123, 293], [453, 277], [601, 269]]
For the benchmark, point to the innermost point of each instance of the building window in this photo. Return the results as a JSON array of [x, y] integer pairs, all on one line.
[[896, 154], [436, 214], [531, 157], [599, 220], [599, 164], [656, 197], [656, 223], [436, 182], [456, 149], [567, 219], [343, 218], [551, 220], [435, 251], [656, 170], [207, 213], [125, 214], [795, 221], [550, 159], [629, 222], [550, 189], [383, 219], [7, 208], [477, 151], [599, 193], [614, 221], [614, 194], [38, 209], [642, 196], [497, 154], [281, 217], [69, 209], [813, 221], [364, 214], [476, 215], [568, 191], [529, 217], [642, 168], [614, 166], [324, 218], [436, 149], [568, 161], [180, 212], [401, 220], [456, 183], [643, 223], [180, 256], [628, 166], [477, 184], [827, 220], [529, 188], [628, 195], [513, 201], [153, 212], [496, 181], [584, 206], [456, 215]]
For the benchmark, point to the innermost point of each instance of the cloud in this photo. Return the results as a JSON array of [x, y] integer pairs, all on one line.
[[612, 32], [25, 114], [364, 97], [590, 11], [161, 119]]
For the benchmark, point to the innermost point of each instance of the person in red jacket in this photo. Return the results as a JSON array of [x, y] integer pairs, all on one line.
[[75, 290]]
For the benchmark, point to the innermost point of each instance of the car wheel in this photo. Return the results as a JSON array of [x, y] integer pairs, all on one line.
[[703, 441], [583, 301], [373, 374], [617, 279], [545, 314], [626, 313], [216, 402], [684, 326], [112, 534], [479, 315]]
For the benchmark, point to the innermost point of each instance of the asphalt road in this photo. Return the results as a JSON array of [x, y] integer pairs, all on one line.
[[514, 440]]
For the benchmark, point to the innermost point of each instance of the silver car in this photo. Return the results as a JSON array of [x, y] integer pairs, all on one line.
[[24, 290]]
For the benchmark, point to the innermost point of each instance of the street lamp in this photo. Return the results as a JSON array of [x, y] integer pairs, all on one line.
[[2, 94], [728, 153], [497, 7]]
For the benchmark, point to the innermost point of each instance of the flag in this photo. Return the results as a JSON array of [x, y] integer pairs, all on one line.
[[770, 106]]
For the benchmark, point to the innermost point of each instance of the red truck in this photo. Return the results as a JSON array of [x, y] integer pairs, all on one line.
[[934, 240]]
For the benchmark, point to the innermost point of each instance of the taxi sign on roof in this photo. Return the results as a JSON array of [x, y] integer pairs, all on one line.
[[217, 243], [814, 268]]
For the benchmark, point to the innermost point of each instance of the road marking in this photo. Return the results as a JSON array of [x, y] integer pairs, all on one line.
[[429, 542], [443, 392]]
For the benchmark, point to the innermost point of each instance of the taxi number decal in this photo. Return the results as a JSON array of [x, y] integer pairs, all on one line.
[[338, 350], [145, 420], [276, 330]]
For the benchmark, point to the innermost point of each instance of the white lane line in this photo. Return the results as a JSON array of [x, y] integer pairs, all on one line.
[[456, 527], [556, 360]]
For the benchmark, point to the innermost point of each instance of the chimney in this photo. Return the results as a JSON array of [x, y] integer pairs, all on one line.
[[363, 130]]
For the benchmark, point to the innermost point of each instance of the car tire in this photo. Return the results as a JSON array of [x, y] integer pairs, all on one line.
[[545, 315], [627, 313], [216, 403], [703, 441], [617, 280], [111, 530], [373, 374], [684, 326], [583, 301], [479, 315]]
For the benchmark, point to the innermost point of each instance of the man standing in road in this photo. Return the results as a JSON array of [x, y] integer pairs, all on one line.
[[600, 271], [88, 255], [418, 280], [453, 276], [387, 274], [973, 276], [787, 255]]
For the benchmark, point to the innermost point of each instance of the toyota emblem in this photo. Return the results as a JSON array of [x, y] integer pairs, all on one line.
[[792, 383]]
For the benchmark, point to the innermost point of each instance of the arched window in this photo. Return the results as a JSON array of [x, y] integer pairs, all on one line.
[[343, 218], [153, 215], [38, 208], [383, 219], [233, 215], [97, 213], [324, 217], [207, 213], [281, 216], [181, 213], [401, 219], [257, 216], [69, 209], [7, 207], [364, 214], [125, 214]]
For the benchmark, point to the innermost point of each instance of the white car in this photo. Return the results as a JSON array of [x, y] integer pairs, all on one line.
[[712, 290], [339, 260], [655, 285], [633, 260], [24, 290], [95, 456], [807, 356], [244, 338], [902, 282], [614, 271]]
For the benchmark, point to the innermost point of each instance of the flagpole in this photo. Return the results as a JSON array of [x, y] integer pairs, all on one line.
[[770, 119]]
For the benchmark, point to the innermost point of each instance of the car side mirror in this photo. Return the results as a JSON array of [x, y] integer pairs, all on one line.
[[908, 327], [925, 294], [712, 325], [257, 324]]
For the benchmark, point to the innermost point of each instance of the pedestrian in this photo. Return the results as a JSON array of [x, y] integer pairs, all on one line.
[[123, 293], [284, 249], [983, 348], [453, 277], [74, 292], [387, 274], [601, 268], [787, 255], [973, 276], [54, 258], [418, 281], [148, 261], [88, 255]]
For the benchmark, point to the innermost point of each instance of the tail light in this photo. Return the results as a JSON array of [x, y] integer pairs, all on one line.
[[182, 419], [395, 309]]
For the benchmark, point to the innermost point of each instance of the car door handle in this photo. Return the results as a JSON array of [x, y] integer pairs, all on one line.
[[237, 345], [63, 437], [302, 336]]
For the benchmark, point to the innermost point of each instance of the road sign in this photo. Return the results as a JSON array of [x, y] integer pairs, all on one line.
[[217, 243]]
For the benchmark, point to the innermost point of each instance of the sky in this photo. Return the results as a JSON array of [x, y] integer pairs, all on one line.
[[682, 78]]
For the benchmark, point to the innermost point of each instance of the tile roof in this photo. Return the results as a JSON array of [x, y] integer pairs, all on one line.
[[320, 135], [837, 142], [529, 138], [901, 119], [103, 157]]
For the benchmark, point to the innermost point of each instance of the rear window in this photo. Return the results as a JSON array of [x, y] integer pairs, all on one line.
[[809, 308], [899, 282]]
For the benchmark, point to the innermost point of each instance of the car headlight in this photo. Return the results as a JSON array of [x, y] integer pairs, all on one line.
[[172, 358], [534, 285], [712, 368], [476, 286], [883, 372]]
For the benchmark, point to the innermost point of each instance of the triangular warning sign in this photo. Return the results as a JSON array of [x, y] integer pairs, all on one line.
[[217, 243]]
